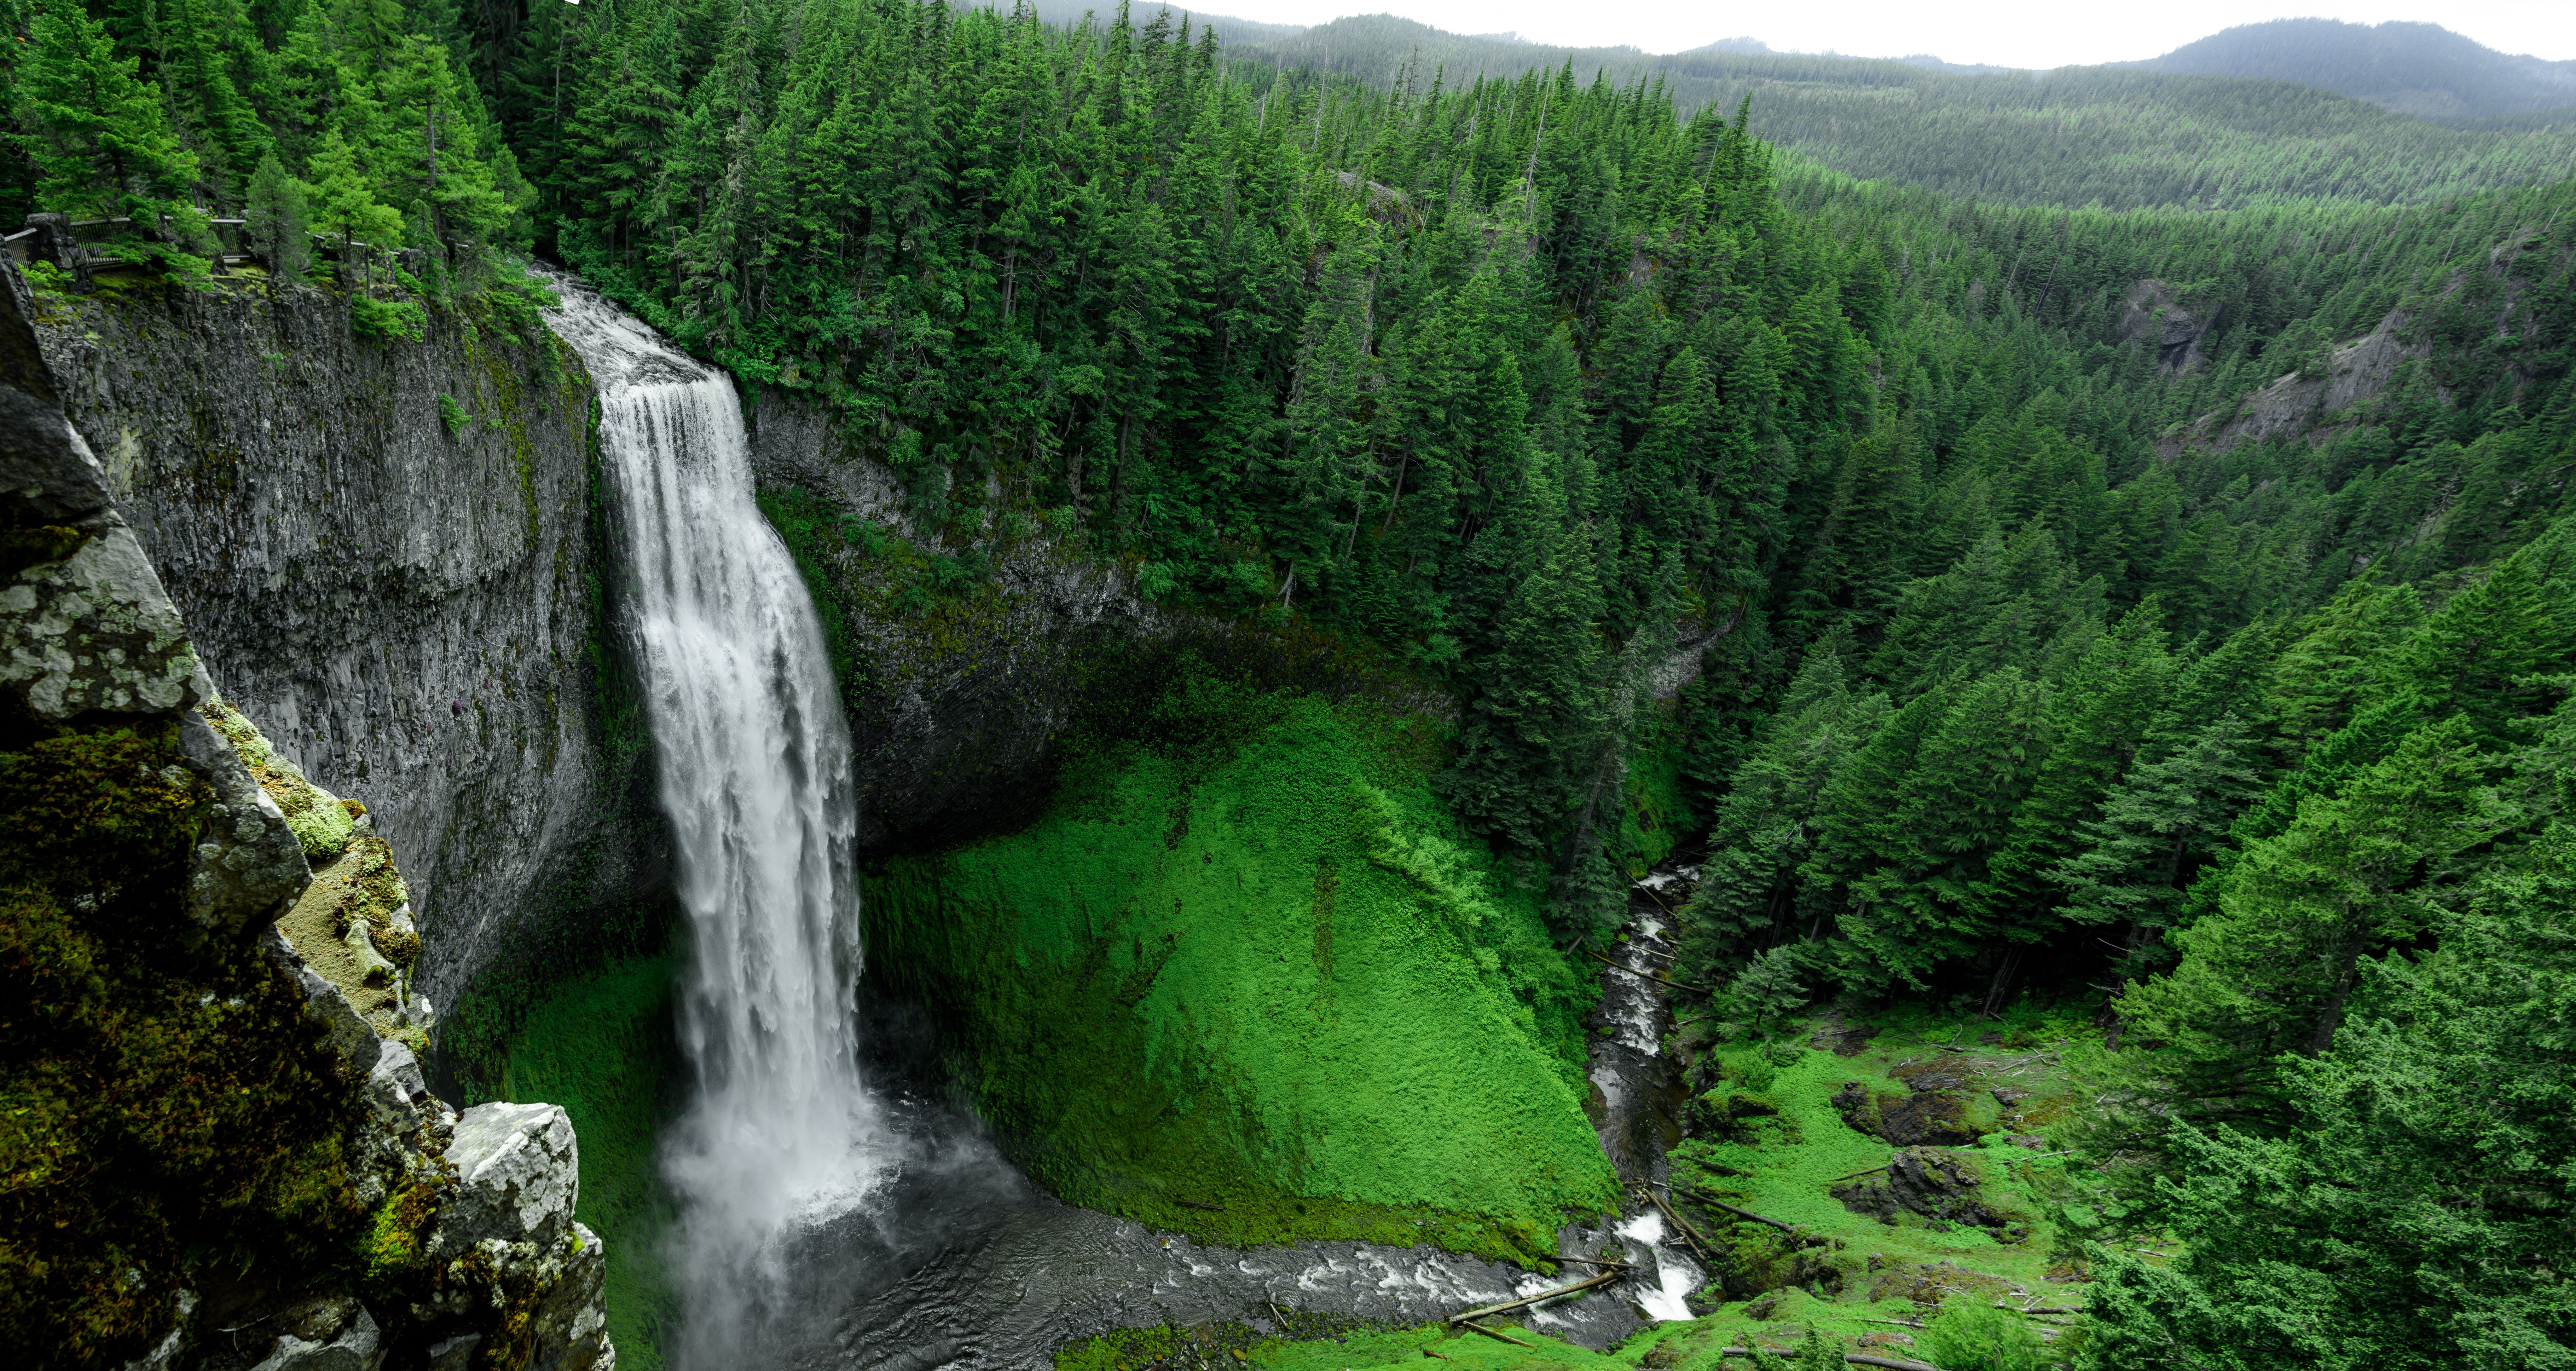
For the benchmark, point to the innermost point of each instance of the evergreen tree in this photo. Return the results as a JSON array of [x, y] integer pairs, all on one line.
[[277, 222], [101, 138]]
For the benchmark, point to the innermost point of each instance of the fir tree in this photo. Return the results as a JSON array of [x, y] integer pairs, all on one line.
[[277, 222], [101, 138]]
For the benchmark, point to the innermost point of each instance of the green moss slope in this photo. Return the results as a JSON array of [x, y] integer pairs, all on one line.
[[1255, 987], [601, 1047]]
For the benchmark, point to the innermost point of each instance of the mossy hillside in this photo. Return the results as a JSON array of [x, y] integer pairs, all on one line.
[[601, 1047], [1245, 979], [1770, 1140], [166, 1108]]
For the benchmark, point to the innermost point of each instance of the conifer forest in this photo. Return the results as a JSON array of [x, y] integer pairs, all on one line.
[[2028, 626]]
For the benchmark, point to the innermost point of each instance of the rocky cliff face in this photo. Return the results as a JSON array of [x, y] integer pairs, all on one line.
[[2308, 404], [954, 689], [204, 1126], [386, 553], [2155, 313]]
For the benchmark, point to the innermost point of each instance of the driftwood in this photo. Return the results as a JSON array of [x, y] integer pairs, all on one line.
[[1596, 1261], [1527, 1300], [1496, 1333], [1689, 1234], [1707, 1199]]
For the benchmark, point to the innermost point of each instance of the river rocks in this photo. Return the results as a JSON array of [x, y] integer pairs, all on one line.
[[1932, 1183]]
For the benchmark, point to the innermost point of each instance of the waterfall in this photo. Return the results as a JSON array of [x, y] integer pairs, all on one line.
[[755, 774]]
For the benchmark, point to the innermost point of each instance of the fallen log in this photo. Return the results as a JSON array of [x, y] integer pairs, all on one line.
[[1858, 1174], [1689, 1234], [1527, 1300], [1495, 1333], [1707, 1199]]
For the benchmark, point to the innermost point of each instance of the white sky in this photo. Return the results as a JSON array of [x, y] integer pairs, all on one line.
[[2012, 33]]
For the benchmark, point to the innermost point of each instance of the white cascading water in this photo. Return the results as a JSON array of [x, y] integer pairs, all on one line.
[[755, 773]]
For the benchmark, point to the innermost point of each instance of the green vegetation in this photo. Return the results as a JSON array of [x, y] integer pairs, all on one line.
[[165, 1102], [1244, 979], [601, 1047], [2022, 596]]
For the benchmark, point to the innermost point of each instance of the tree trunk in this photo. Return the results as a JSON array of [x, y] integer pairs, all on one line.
[[2332, 1018]]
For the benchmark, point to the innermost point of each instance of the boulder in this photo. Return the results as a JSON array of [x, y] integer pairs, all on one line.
[[324, 1003], [331, 1334], [1936, 1112], [1936, 1117], [518, 1172], [84, 622], [1936, 1184], [570, 1325], [249, 866]]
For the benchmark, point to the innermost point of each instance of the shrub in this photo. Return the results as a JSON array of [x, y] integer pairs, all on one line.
[[1972, 1335], [386, 320], [453, 415]]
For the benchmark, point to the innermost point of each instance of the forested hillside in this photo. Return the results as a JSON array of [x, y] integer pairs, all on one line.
[[2110, 136], [1920, 558]]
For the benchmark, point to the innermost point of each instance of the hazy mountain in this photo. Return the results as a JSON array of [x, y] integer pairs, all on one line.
[[1755, 47], [1070, 12], [2116, 137], [1751, 45], [2419, 69]]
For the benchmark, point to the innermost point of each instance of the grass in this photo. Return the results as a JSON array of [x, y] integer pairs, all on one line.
[[1860, 1285], [601, 1047], [1249, 982], [1413, 1346], [1784, 1166]]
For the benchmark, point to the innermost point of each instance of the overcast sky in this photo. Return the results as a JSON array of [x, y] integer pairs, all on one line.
[[2013, 33]]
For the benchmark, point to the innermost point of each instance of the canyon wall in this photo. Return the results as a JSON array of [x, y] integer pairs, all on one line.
[[386, 552]]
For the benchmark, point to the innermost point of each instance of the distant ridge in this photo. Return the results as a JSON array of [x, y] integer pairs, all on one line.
[[2116, 137], [1755, 47], [2420, 69]]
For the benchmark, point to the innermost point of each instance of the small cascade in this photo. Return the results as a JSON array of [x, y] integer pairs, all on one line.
[[755, 775], [1637, 1109], [1676, 1276]]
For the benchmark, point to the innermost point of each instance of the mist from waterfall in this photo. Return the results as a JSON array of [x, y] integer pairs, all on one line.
[[754, 762]]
